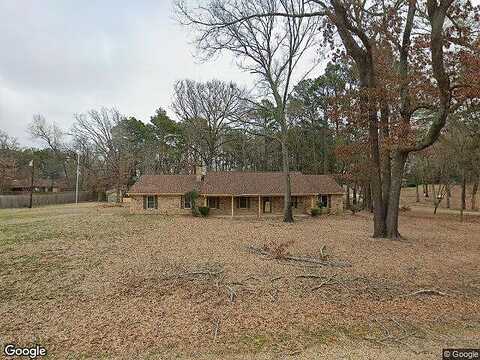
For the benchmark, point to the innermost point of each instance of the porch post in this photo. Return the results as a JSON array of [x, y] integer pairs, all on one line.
[[313, 200], [259, 201], [232, 206], [205, 200]]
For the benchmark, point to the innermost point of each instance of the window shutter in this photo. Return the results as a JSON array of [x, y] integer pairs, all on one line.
[[238, 202], [248, 203], [144, 203], [182, 202], [156, 202]]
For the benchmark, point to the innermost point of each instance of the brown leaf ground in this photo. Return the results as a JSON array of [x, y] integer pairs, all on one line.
[[97, 282]]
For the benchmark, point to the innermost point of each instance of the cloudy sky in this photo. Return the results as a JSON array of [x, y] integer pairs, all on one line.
[[61, 57]]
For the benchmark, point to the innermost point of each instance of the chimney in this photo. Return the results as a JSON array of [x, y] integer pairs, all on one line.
[[200, 172]]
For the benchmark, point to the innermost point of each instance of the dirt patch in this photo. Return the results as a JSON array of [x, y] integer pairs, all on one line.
[[106, 283]]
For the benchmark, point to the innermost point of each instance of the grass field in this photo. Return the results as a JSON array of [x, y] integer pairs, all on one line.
[[96, 282]]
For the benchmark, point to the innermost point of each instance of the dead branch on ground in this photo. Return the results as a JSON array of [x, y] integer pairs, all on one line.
[[400, 335], [426, 292], [326, 282], [309, 260]]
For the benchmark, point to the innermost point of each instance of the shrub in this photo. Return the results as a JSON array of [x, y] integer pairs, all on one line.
[[193, 195], [355, 208], [315, 211], [204, 210]]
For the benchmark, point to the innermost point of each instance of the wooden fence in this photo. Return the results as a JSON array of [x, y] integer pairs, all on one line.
[[39, 199]]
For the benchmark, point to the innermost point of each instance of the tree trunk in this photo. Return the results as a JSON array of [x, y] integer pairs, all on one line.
[[354, 200], [379, 225], [287, 203], [386, 161], [417, 193], [426, 190], [118, 199], [474, 195], [398, 165], [448, 195], [438, 198], [368, 198], [347, 193], [325, 159], [463, 196]]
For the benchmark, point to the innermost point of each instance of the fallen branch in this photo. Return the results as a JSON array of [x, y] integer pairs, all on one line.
[[310, 260], [232, 293], [323, 255], [202, 272], [215, 331], [388, 336], [309, 276], [326, 282], [426, 292], [194, 273]]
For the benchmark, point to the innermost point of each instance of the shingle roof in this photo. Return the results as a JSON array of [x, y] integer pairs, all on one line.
[[26, 183], [165, 184], [237, 183]]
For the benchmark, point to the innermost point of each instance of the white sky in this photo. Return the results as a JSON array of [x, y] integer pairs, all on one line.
[[61, 57]]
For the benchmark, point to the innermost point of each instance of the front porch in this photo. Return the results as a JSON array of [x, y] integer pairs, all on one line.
[[258, 205]]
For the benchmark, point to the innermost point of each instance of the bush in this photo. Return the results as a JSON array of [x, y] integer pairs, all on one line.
[[356, 208], [204, 210], [315, 211]]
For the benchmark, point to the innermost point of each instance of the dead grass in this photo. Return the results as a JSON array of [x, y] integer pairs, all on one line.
[[94, 281]]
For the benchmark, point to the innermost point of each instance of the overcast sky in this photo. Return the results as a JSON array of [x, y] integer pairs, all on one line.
[[61, 57]]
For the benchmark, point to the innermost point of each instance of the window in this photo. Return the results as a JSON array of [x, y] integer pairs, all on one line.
[[150, 203], [243, 202], [267, 205], [186, 202], [294, 202], [213, 202], [323, 200]]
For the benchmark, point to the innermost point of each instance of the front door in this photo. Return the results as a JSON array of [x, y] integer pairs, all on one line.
[[267, 205]]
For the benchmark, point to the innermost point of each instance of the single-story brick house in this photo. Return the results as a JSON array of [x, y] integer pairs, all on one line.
[[234, 193], [39, 185]]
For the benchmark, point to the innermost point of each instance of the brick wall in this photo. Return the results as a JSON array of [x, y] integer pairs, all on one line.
[[167, 205], [336, 204], [170, 205]]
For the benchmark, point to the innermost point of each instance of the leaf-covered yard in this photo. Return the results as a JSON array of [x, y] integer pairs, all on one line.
[[97, 282]]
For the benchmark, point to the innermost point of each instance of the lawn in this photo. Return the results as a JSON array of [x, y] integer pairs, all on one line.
[[96, 282]]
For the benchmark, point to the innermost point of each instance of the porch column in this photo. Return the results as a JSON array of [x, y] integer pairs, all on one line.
[[232, 206], [205, 200], [313, 201], [259, 201]]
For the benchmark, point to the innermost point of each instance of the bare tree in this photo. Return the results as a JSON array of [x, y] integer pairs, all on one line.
[[206, 110], [54, 137], [269, 47], [8, 147], [97, 126]]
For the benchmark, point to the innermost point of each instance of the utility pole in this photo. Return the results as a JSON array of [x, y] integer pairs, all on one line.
[[78, 172], [32, 164]]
